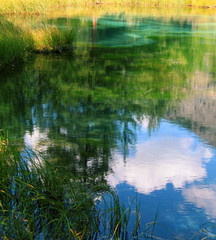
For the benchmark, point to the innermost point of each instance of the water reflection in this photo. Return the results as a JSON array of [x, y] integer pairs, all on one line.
[[170, 156], [198, 111], [141, 116], [124, 31], [203, 196], [36, 140]]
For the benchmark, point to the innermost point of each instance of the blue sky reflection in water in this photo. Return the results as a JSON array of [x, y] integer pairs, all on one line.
[[134, 106], [173, 169], [170, 172]]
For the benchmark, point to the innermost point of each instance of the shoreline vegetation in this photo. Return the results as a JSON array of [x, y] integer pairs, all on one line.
[[18, 41], [42, 6]]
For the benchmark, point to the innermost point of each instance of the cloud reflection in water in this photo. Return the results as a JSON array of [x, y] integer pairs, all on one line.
[[167, 157], [203, 196]]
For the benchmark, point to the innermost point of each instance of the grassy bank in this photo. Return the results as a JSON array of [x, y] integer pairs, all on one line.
[[17, 43], [42, 6]]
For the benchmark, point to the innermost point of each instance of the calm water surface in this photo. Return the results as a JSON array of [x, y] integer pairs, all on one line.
[[134, 106]]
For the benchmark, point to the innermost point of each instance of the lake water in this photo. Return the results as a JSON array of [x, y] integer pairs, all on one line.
[[134, 106]]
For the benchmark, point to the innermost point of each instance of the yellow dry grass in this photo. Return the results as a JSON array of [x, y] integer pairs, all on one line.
[[43, 6]]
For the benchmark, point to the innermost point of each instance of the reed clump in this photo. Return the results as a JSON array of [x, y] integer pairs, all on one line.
[[42, 200], [52, 38], [14, 44], [17, 43], [38, 200]]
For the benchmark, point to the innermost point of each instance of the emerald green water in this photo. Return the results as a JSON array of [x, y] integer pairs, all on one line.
[[134, 106]]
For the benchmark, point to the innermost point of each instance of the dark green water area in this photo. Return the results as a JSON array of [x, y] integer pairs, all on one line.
[[134, 107]]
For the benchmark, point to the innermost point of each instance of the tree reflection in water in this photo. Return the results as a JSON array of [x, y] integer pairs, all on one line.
[[81, 109]]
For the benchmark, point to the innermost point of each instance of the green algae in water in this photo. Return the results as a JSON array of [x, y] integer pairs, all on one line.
[[116, 31]]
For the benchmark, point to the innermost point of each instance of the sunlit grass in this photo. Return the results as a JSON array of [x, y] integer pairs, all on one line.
[[17, 42], [29, 6], [51, 38], [42, 6], [14, 44]]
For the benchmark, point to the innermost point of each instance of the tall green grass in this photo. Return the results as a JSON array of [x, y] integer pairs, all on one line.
[[41, 200], [13, 43], [38, 199], [17, 43], [51, 38]]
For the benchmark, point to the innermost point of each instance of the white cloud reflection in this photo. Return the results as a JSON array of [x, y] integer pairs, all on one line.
[[36, 140], [161, 160], [203, 197]]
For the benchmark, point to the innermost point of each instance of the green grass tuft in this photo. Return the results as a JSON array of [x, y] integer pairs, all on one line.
[[39, 200], [17, 43]]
